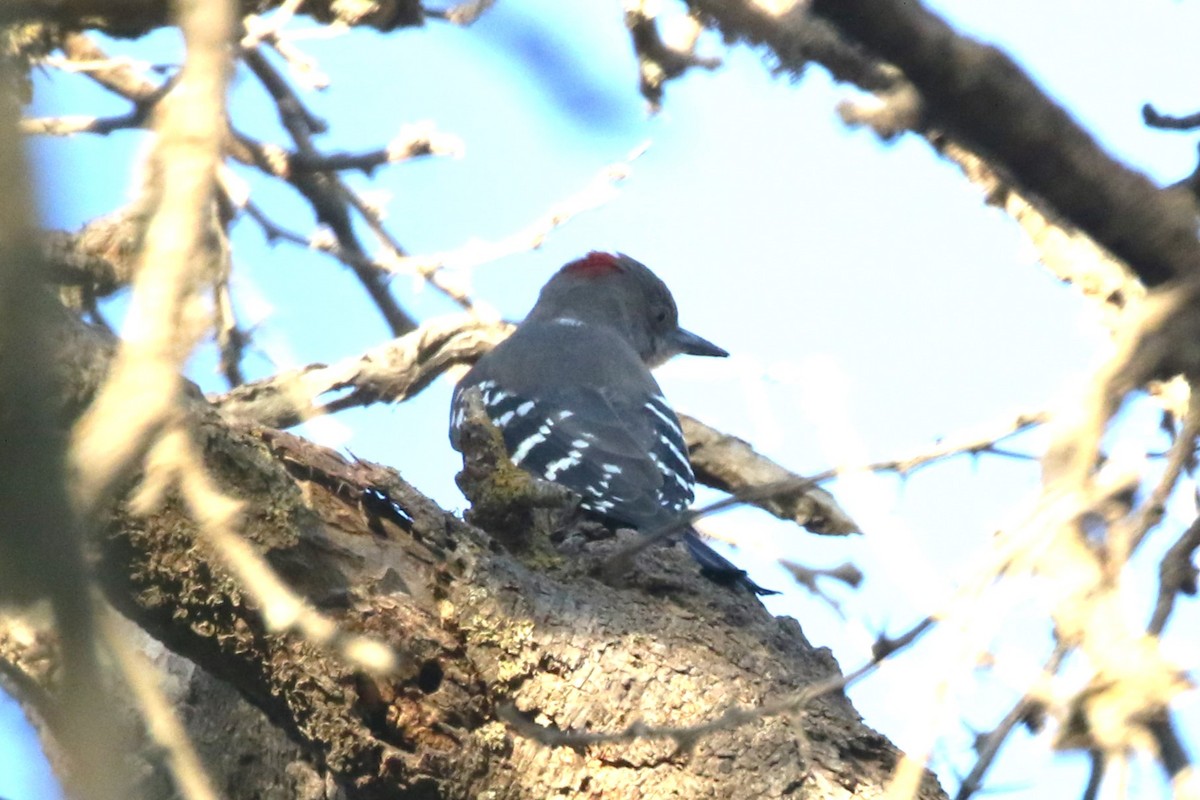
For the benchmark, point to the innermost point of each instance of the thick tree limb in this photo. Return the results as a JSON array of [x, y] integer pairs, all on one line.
[[980, 95], [795, 37], [476, 628]]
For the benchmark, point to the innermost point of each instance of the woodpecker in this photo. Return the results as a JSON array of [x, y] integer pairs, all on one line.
[[572, 394]]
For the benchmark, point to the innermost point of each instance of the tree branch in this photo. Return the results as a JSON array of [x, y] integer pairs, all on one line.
[[979, 94], [391, 373], [134, 18], [325, 192], [730, 464]]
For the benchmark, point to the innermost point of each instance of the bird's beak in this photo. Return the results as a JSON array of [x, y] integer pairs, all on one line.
[[694, 345]]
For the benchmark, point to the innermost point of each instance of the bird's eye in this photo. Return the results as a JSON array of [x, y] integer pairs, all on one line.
[[661, 316]]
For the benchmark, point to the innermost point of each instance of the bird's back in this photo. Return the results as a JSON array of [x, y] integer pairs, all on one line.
[[577, 407]]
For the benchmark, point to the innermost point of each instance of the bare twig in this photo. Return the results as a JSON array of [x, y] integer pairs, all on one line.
[[532, 236], [659, 62], [765, 493], [1155, 119], [412, 141], [1127, 535], [463, 13], [619, 561], [1171, 753], [981, 440], [807, 577], [231, 339], [433, 267], [118, 75], [1097, 766], [260, 31], [988, 746], [1176, 575], [326, 193], [71, 125]]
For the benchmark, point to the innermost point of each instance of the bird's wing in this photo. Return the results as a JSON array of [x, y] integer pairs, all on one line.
[[627, 462]]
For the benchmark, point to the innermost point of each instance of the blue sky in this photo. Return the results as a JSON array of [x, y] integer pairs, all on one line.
[[871, 301]]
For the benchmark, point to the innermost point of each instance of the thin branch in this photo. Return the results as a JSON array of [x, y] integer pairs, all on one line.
[[412, 141], [1176, 575], [394, 253], [71, 125], [981, 440], [618, 562], [270, 32], [231, 339], [1154, 119], [462, 14], [118, 75], [988, 746], [659, 62], [1128, 535], [532, 236], [730, 464], [325, 193], [808, 577], [1097, 766], [765, 493], [323, 241], [259, 29], [1171, 753], [430, 267]]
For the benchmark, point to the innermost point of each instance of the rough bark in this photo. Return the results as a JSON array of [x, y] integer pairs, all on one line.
[[478, 629]]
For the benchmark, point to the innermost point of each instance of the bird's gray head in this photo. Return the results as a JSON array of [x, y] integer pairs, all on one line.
[[623, 294]]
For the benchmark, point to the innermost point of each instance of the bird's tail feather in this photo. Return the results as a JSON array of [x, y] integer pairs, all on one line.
[[718, 568]]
